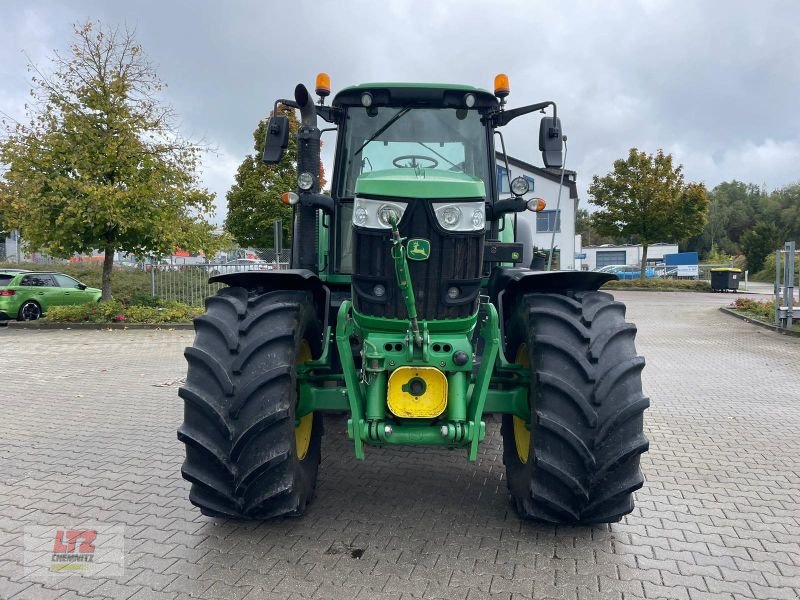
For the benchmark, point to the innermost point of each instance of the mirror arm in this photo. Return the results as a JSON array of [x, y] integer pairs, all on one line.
[[504, 117], [290, 103], [320, 201], [331, 114], [514, 204]]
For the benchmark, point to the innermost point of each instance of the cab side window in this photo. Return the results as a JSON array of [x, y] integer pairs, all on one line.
[[37, 281], [65, 281]]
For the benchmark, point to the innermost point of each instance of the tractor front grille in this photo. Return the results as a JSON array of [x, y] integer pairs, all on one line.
[[455, 260]]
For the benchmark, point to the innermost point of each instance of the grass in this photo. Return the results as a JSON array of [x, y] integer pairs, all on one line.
[[759, 310], [660, 285], [114, 311]]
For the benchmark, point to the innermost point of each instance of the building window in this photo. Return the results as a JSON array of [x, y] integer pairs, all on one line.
[[605, 258], [503, 186], [548, 221], [530, 182]]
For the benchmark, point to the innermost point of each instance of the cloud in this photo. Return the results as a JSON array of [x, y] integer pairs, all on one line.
[[716, 84]]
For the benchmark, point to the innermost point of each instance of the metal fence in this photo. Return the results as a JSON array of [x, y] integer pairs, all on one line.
[[186, 281]]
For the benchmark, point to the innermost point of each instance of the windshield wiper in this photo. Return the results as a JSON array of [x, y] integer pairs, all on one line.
[[440, 156], [388, 124]]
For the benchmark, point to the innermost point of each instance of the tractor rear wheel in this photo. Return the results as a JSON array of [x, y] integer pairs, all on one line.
[[577, 461], [247, 453]]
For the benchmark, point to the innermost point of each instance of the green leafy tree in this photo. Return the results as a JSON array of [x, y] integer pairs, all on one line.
[[645, 198], [585, 227], [760, 242], [254, 200], [783, 208], [100, 166]]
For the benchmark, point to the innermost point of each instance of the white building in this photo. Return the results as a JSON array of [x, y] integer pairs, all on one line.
[[536, 229], [628, 254], [10, 247]]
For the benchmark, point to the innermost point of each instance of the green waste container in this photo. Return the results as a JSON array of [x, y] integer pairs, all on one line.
[[724, 279]]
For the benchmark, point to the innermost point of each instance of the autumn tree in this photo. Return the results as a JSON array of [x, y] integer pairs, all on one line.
[[645, 197], [254, 200], [99, 164]]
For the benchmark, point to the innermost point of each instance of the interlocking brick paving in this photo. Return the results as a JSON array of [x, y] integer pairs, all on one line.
[[88, 435]]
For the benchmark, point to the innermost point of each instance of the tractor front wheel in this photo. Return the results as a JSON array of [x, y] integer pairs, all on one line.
[[576, 459], [248, 455]]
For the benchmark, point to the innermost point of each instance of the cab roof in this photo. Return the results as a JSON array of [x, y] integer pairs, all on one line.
[[398, 93]]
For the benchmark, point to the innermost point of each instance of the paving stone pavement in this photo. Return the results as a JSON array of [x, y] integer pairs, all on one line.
[[88, 435]]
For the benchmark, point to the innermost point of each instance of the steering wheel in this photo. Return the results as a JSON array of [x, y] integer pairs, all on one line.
[[414, 164]]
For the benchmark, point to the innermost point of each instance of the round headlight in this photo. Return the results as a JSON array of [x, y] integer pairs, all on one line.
[[520, 186], [366, 99], [387, 215], [305, 181], [477, 218], [450, 217], [360, 216], [453, 292], [379, 291], [469, 100]]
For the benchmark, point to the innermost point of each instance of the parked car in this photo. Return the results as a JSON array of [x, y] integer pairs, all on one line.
[[240, 264], [27, 295], [628, 271]]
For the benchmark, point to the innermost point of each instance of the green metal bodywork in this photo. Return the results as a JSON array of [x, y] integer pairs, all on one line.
[[420, 183], [484, 383]]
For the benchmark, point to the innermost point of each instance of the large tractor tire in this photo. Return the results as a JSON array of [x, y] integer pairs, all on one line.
[[577, 462], [247, 455]]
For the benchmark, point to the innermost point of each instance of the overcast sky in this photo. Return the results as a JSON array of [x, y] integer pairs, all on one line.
[[716, 83]]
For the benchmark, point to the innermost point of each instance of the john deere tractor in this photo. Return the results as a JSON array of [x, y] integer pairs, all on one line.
[[408, 308]]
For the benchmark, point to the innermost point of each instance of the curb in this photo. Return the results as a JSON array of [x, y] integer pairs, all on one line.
[[91, 326], [762, 324]]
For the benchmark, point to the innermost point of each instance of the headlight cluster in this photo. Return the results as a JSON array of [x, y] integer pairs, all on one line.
[[461, 216], [377, 214], [452, 216]]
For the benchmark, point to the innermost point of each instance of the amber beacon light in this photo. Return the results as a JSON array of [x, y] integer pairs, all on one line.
[[501, 87], [323, 85]]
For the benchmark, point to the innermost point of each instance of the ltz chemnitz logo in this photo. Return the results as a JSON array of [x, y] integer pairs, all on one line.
[[77, 549], [73, 549]]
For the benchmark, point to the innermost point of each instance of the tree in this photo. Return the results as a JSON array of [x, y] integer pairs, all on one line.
[[100, 164], [584, 227], [761, 241], [254, 200], [645, 198]]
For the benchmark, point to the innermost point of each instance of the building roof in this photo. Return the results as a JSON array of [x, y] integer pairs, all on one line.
[[619, 246], [549, 174]]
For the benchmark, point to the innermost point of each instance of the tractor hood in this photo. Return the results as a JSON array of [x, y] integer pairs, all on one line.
[[420, 183]]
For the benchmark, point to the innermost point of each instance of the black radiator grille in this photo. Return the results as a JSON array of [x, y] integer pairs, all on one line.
[[456, 259]]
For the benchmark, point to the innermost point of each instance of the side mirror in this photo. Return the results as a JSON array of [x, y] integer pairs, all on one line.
[[276, 140], [550, 142], [81, 286]]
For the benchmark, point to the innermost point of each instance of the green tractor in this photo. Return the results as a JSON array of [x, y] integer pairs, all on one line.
[[407, 308]]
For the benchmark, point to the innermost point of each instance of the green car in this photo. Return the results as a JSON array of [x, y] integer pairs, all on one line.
[[26, 295]]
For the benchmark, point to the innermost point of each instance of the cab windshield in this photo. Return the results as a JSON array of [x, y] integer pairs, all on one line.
[[380, 138]]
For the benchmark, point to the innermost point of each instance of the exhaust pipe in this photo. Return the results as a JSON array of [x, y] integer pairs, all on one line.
[[308, 112], [304, 254]]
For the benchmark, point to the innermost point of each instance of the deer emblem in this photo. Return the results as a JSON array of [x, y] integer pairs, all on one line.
[[419, 249]]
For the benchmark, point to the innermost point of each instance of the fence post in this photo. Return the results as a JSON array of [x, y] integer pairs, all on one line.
[[153, 280], [788, 282]]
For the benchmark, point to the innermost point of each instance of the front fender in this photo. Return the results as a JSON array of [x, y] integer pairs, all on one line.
[[287, 279], [506, 284]]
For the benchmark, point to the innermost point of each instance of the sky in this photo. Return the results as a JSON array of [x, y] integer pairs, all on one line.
[[716, 83]]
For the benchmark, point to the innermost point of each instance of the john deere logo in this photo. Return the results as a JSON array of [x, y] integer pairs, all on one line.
[[419, 249]]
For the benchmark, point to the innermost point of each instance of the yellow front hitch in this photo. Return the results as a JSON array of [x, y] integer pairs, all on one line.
[[417, 392]]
